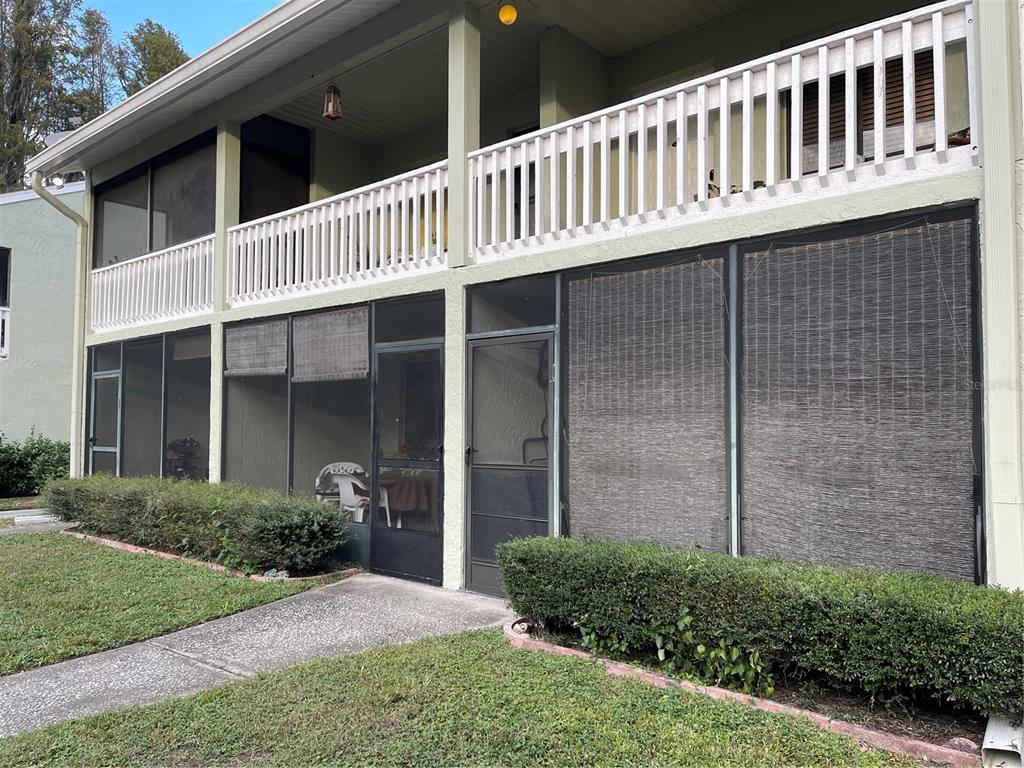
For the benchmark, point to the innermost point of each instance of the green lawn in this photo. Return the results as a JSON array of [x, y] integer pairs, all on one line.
[[20, 502], [5, 521], [61, 597], [465, 700]]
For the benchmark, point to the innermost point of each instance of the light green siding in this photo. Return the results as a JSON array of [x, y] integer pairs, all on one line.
[[35, 379]]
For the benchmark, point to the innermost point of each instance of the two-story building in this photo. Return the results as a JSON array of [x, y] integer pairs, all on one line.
[[740, 273]]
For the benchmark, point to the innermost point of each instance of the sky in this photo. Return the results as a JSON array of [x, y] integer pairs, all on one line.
[[199, 23]]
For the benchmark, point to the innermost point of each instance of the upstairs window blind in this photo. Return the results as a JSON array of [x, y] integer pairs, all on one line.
[[924, 103], [647, 405], [256, 349], [331, 346], [858, 401]]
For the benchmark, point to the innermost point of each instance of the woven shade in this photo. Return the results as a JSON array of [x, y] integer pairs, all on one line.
[[256, 349], [857, 401], [331, 346], [647, 405]]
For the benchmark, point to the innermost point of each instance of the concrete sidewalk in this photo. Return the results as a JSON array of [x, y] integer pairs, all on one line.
[[356, 614], [33, 526]]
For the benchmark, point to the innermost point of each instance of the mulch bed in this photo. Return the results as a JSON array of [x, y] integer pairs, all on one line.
[[927, 724]]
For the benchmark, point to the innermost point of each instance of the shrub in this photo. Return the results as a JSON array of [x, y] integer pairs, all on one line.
[[25, 467], [899, 637], [245, 528]]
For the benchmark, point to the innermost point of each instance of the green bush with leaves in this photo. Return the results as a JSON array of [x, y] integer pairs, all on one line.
[[250, 529], [901, 638], [25, 467]]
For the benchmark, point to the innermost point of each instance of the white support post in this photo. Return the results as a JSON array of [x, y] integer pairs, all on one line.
[[463, 137], [463, 122], [1002, 214], [225, 216]]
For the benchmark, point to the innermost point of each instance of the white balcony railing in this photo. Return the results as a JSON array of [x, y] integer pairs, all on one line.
[[5, 332], [174, 282], [387, 229], [667, 155]]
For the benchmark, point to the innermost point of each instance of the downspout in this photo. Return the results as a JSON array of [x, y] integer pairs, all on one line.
[[78, 344]]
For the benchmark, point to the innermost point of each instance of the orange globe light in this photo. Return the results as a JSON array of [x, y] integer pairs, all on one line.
[[507, 14]]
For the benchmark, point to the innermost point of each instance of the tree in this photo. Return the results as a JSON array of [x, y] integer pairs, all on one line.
[[94, 85], [36, 40], [148, 53]]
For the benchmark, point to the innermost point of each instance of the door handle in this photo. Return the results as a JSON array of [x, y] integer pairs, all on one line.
[[92, 441], [470, 450]]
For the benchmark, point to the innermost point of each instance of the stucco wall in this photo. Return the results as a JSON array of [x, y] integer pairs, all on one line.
[[35, 380]]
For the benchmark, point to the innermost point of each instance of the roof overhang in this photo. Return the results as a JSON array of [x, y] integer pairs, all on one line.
[[257, 50]]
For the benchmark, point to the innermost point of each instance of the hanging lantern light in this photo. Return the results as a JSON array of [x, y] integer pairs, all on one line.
[[507, 13], [332, 102]]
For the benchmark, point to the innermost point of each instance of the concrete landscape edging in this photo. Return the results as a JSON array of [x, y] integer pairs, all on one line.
[[880, 739], [136, 550]]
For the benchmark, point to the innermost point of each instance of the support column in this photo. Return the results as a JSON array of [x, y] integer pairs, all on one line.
[[573, 77], [455, 439], [998, 58], [463, 122], [225, 217], [463, 137]]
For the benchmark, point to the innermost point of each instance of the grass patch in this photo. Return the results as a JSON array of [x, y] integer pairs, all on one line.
[[469, 699], [6, 521], [20, 502], [61, 597]]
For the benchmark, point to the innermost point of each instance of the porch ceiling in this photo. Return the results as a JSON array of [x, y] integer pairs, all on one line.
[[406, 89], [615, 27]]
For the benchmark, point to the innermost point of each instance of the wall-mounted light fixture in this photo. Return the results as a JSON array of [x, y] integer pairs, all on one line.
[[507, 13], [332, 102]]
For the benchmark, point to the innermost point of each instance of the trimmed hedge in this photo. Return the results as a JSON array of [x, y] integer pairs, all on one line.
[[899, 637], [26, 466], [246, 528]]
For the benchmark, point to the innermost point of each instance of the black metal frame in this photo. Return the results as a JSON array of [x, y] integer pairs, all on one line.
[[378, 463], [476, 341], [375, 349], [94, 376], [90, 407]]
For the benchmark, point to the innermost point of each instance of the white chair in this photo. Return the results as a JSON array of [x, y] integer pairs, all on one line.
[[346, 477]]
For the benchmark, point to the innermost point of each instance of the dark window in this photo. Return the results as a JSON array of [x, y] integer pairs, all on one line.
[[5, 277], [151, 406], [122, 218], [142, 394], [107, 358], [184, 188], [256, 404], [187, 401], [522, 303], [274, 172], [409, 319], [163, 202]]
